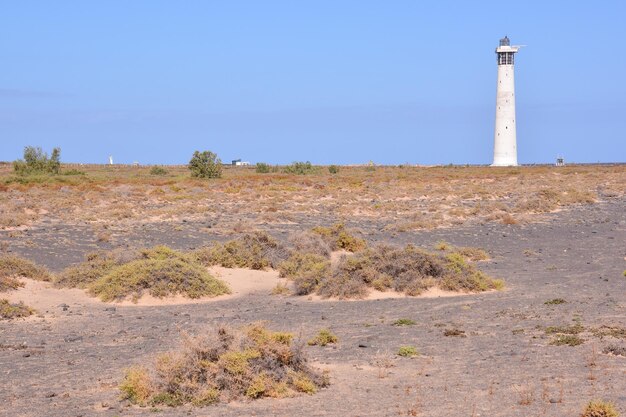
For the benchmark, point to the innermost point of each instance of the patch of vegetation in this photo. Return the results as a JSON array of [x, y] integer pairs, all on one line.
[[403, 322], [612, 331], [160, 272], [306, 270], [263, 168], [409, 270], [309, 242], [15, 267], [281, 289], [454, 333], [9, 311], [442, 245], [159, 171], [555, 301], [573, 329], [600, 408], [473, 254], [407, 351], [323, 338], [299, 168], [615, 350], [74, 171], [338, 237], [225, 365], [95, 266], [567, 339], [9, 283], [36, 161], [205, 165], [256, 250], [333, 169]]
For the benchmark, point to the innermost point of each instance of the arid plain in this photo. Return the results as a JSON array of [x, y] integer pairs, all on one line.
[[535, 323]]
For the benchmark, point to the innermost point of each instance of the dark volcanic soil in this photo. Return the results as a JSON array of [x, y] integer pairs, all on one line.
[[68, 362]]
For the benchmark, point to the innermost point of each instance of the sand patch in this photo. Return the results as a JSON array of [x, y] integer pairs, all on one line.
[[44, 297], [383, 295]]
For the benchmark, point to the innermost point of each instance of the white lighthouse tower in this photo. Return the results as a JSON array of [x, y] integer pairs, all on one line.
[[505, 141]]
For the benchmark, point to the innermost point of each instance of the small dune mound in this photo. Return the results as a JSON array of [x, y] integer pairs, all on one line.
[[224, 365], [13, 267], [159, 272], [10, 311]]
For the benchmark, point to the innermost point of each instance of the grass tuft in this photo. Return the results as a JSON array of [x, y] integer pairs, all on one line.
[[15, 267], [555, 301], [403, 322], [323, 338], [408, 351], [600, 408], [338, 237]]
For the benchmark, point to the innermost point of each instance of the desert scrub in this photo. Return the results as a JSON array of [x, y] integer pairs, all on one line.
[[567, 340], [333, 169], [223, 365], [338, 237], [600, 408], [555, 301], [9, 283], [256, 250], [95, 266], [306, 270], [300, 168], [16, 267], [409, 270], [408, 351], [160, 272], [158, 171], [323, 338], [10, 311], [403, 322], [263, 168]]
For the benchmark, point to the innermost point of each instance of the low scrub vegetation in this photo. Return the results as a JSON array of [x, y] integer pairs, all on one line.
[[224, 365], [306, 270], [300, 168], [567, 340], [256, 250], [323, 338], [159, 271], [158, 171], [555, 301], [408, 351], [600, 408], [12, 267], [263, 168], [404, 322], [10, 311], [338, 238], [8, 283], [205, 165]]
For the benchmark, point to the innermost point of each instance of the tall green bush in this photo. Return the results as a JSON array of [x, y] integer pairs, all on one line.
[[205, 165], [36, 161]]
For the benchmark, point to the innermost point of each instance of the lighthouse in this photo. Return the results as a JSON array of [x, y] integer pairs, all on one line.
[[505, 140]]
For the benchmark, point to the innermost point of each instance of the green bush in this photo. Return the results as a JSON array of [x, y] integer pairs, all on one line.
[[333, 169], [36, 161], [324, 337], [157, 170], [600, 408], [10, 311], [263, 168], [299, 168], [407, 351], [205, 165]]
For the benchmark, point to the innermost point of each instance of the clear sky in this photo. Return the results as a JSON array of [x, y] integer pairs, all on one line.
[[337, 81]]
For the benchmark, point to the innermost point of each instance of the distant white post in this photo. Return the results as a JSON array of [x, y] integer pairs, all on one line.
[[505, 138], [110, 159]]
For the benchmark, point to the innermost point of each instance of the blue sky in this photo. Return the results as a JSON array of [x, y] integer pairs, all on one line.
[[326, 81]]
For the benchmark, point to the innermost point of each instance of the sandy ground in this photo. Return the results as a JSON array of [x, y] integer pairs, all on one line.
[[68, 362]]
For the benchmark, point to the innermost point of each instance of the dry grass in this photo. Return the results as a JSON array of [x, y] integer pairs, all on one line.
[[9, 311], [600, 408], [405, 198], [224, 365], [339, 238], [323, 338]]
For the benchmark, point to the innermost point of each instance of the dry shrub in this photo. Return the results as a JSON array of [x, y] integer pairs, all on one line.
[[409, 270], [224, 365], [16, 267], [600, 408], [323, 338], [309, 242], [95, 266], [338, 237], [161, 272], [8, 283], [256, 250], [10, 311], [306, 270]]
